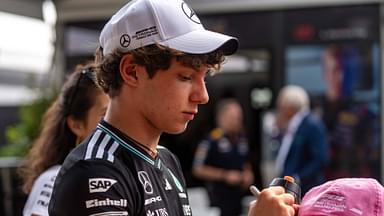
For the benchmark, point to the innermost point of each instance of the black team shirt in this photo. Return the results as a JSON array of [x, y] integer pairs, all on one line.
[[109, 175]]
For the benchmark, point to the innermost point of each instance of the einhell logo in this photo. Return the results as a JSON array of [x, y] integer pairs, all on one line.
[[105, 202], [100, 184]]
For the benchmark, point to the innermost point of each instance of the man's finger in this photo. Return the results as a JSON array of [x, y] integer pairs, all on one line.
[[277, 190], [287, 198]]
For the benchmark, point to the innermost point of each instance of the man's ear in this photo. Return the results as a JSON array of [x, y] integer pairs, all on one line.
[[128, 70]]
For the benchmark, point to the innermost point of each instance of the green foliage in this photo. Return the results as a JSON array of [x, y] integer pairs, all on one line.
[[21, 135]]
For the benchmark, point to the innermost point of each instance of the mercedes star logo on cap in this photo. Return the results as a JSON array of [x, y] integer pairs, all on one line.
[[190, 13], [125, 40]]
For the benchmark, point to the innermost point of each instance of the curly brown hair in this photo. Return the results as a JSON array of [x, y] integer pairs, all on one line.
[[153, 57], [56, 139]]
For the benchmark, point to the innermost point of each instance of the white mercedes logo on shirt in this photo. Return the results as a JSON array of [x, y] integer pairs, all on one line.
[[145, 181]]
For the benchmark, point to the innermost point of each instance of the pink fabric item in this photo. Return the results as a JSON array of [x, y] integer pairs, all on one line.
[[344, 197]]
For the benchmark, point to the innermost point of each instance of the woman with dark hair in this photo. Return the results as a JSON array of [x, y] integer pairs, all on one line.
[[70, 119]]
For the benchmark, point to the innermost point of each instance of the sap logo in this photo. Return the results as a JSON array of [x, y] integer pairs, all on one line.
[[100, 184], [152, 200]]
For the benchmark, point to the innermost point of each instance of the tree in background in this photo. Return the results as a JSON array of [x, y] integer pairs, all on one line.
[[21, 135]]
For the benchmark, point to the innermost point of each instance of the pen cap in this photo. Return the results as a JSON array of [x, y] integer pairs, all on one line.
[[290, 186]]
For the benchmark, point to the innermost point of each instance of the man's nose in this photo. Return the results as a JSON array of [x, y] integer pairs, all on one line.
[[200, 93]]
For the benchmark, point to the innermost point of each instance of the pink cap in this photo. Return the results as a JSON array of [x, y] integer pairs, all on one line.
[[344, 197]]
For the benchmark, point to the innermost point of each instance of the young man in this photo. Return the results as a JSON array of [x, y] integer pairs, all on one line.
[[153, 58]]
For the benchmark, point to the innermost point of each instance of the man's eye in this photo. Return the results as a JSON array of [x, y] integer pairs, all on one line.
[[184, 78]]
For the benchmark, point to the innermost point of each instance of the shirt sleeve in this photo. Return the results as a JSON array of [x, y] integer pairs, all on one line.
[[201, 153], [40, 195], [93, 188]]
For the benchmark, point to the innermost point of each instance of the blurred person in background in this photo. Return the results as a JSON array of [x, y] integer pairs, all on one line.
[[222, 159], [70, 119], [304, 148]]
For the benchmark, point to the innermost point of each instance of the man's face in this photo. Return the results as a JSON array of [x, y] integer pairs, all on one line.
[[170, 99], [284, 113], [231, 119]]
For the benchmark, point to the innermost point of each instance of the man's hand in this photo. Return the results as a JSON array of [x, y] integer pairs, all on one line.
[[273, 201], [233, 177]]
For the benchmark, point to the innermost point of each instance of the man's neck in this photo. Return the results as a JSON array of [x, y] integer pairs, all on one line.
[[132, 123]]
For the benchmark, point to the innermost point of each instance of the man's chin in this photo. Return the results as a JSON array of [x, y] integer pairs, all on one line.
[[177, 130]]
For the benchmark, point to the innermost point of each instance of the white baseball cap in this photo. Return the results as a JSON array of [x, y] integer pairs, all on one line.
[[171, 23]]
